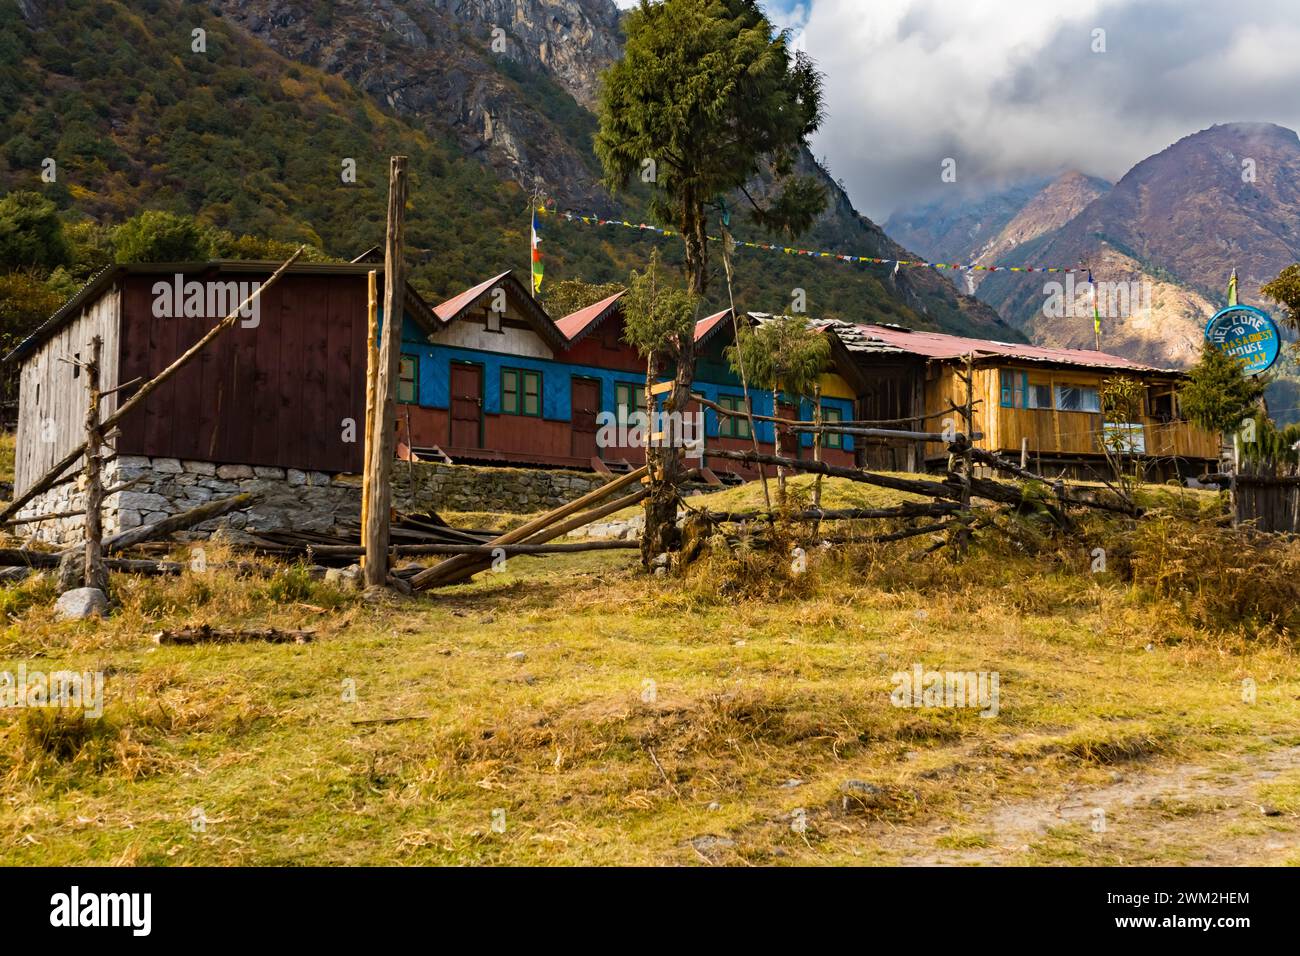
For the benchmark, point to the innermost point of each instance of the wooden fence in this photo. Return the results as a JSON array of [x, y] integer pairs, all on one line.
[[1269, 503]]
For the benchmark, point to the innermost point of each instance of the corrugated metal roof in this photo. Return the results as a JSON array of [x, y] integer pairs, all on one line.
[[446, 311], [707, 326], [938, 345], [533, 312], [110, 274], [577, 324]]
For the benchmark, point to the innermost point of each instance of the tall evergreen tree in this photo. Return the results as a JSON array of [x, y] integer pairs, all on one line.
[[1219, 395], [707, 98]]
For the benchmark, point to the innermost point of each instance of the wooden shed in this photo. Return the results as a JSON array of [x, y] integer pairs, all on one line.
[[277, 389]]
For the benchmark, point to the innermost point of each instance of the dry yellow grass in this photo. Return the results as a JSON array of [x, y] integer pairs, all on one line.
[[667, 720]]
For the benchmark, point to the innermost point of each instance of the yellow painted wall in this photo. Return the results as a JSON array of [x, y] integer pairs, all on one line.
[[833, 386], [1051, 431]]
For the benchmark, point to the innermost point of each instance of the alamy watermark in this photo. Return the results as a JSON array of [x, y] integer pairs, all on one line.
[[1114, 300], [70, 689], [921, 688], [655, 430], [207, 300]]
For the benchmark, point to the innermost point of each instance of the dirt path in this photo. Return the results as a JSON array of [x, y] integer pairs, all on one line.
[[1196, 813]]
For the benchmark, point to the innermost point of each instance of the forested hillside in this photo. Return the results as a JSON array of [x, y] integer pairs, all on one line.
[[252, 141]]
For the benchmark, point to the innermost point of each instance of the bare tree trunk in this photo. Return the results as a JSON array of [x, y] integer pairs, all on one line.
[[95, 574], [661, 533], [817, 443], [776, 449]]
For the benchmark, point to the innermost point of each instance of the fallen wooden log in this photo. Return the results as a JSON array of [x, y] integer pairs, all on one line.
[[913, 532], [444, 570], [22, 557], [916, 486], [205, 634], [491, 550], [1068, 494], [469, 564], [910, 509]]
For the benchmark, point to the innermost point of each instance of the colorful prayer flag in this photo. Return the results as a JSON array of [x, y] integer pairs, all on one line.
[[1096, 315], [537, 255]]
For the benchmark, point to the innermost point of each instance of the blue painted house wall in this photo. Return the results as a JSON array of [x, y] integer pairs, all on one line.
[[434, 384]]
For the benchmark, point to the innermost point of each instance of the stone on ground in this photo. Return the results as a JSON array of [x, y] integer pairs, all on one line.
[[81, 603]]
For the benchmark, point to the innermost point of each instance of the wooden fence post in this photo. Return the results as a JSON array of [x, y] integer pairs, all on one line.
[[95, 574], [817, 442], [372, 366], [379, 463]]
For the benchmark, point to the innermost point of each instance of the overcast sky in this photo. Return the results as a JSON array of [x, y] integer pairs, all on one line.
[[1011, 87]]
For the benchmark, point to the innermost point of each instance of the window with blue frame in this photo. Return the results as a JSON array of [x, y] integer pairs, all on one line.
[[831, 416], [1018, 392], [521, 392], [1013, 388]]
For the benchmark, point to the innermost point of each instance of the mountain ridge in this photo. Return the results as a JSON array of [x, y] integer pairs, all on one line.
[[249, 135], [1176, 223]]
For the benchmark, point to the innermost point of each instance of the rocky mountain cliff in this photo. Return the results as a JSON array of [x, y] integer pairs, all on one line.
[[489, 71], [955, 226], [1046, 211], [512, 80], [1177, 224]]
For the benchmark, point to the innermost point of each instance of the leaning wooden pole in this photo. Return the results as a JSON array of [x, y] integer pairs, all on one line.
[[372, 370], [95, 574], [53, 476], [525, 531], [379, 461]]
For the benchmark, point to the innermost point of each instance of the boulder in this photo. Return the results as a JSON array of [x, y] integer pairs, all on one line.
[[81, 603], [349, 577]]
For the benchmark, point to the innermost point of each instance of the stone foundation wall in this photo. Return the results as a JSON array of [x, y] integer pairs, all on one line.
[[472, 488], [301, 500]]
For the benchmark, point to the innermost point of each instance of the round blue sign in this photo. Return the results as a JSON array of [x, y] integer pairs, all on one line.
[[1247, 334]]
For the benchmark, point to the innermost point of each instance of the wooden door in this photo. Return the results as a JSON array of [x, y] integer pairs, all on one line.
[[584, 406], [466, 406]]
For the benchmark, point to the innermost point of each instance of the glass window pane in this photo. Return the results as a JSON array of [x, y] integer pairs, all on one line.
[[832, 439], [406, 385], [509, 393], [1068, 398]]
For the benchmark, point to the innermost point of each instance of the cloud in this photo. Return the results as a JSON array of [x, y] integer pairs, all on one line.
[[1014, 87]]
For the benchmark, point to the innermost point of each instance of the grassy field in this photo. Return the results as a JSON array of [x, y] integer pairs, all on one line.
[[739, 714]]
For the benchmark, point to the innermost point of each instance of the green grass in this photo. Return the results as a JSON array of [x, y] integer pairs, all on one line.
[[7, 444]]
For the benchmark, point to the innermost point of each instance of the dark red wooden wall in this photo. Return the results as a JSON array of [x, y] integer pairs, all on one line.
[[274, 395]]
